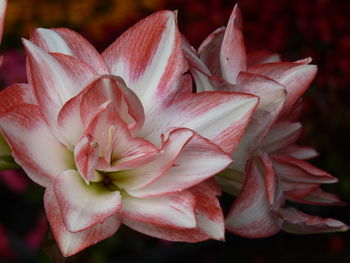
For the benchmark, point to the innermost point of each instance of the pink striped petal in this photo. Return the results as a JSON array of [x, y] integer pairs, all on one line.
[[16, 95], [66, 41], [272, 96], [319, 197], [261, 57], [55, 81], [298, 171], [198, 160], [71, 243], [137, 178], [209, 51], [281, 135], [233, 54], [34, 147], [86, 154], [209, 216], [149, 58], [175, 210], [297, 222], [251, 214], [191, 235], [299, 152], [296, 77], [83, 206], [221, 117], [77, 113], [116, 145]]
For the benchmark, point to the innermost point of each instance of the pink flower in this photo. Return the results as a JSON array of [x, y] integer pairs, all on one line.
[[120, 138], [268, 166]]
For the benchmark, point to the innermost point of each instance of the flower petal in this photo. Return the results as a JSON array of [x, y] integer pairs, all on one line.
[[66, 41], [55, 81], [272, 96], [251, 214], [209, 51], [209, 216], [298, 171], [319, 197], [281, 135], [71, 243], [296, 77], [15, 95], [261, 57], [198, 160], [83, 206], [221, 117], [167, 233], [149, 58], [297, 222], [142, 176], [175, 210], [34, 147], [298, 152], [86, 154], [233, 54]]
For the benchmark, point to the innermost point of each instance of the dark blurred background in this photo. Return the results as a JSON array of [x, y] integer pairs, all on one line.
[[295, 29]]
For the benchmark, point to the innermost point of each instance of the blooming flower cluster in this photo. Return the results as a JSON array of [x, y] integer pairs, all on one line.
[[122, 138]]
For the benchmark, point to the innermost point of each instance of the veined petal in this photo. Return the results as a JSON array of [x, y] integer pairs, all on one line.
[[209, 216], [175, 210], [272, 96], [221, 117], [66, 41], [55, 81], [77, 113], [298, 171], [16, 95], [298, 152], [198, 160], [71, 243], [149, 58], [116, 145], [34, 147], [319, 197], [167, 233], [142, 176], [261, 57], [233, 54], [86, 154], [296, 77], [209, 51], [83, 206], [251, 214], [297, 222], [281, 135]]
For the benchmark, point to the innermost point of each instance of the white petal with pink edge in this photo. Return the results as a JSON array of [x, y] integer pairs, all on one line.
[[198, 160], [233, 57], [71, 243], [34, 147], [83, 206], [149, 58], [174, 210], [297, 222], [251, 214], [221, 117]]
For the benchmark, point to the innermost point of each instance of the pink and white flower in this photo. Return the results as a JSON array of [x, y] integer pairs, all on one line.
[[268, 167], [120, 138]]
